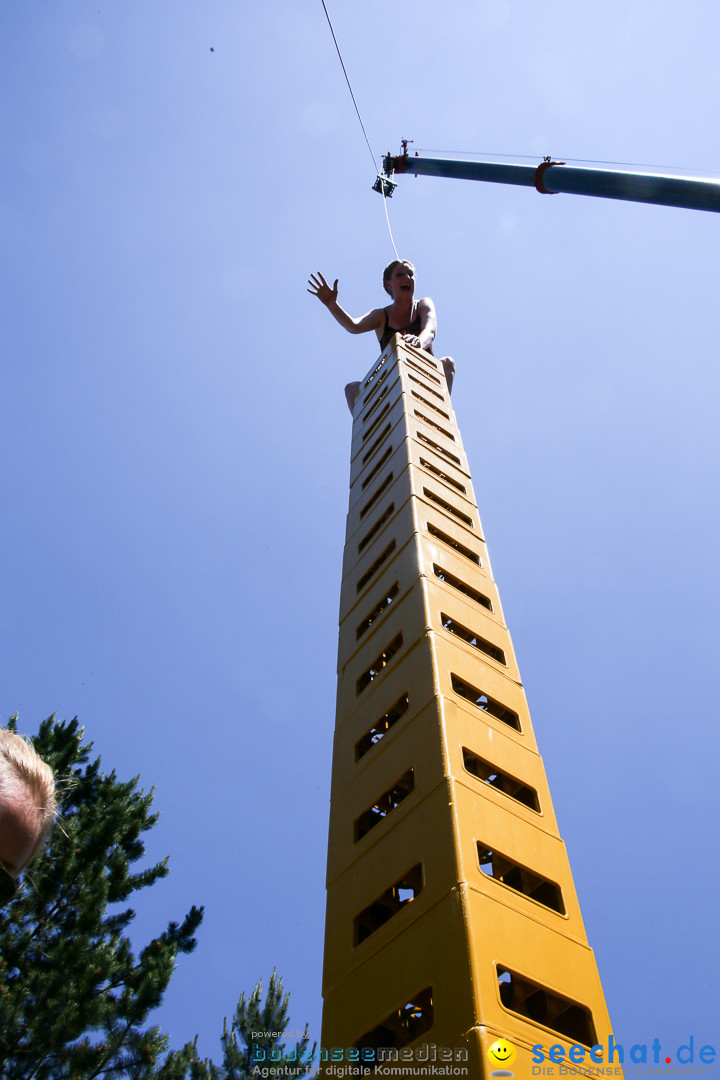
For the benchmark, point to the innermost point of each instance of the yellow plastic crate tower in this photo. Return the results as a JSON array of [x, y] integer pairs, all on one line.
[[452, 919]]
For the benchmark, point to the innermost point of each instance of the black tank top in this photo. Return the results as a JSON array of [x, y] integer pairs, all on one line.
[[390, 331]]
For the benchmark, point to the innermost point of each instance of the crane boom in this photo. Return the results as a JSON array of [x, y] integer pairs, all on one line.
[[552, 177]]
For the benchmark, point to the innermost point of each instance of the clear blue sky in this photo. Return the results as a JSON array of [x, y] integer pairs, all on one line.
[[175, 440]]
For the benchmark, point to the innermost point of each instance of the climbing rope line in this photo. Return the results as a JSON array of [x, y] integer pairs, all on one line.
[[672, 169], [347, 80], [357, 110], [392, 241]]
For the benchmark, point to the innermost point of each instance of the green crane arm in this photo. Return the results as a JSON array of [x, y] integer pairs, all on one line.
[[551, 177]]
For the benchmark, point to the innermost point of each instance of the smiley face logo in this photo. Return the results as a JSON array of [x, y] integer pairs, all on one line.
[[501, 1052]]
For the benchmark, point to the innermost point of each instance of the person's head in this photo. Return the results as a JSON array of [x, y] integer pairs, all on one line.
[[397, 267], [27, 807]]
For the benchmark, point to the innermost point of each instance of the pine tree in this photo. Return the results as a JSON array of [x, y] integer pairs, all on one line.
[[253, 1045], [74, 998]]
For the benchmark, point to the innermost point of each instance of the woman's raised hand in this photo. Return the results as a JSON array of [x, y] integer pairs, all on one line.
[[320, 288]]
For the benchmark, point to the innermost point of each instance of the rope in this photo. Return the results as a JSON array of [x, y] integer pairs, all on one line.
[[672, 169], [357, 110], [347, 80], [388, 225]]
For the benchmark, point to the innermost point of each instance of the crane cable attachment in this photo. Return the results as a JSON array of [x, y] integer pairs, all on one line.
[[540, 172], [384, 186]]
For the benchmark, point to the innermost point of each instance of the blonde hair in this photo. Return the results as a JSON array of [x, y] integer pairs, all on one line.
[[20, 761]]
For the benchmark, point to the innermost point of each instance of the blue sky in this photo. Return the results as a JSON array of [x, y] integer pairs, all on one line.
[[175, 438]]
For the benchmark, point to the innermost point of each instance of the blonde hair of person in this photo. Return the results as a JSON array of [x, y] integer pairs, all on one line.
[[19, 761]]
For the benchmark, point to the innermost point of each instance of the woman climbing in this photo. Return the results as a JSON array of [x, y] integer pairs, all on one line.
[[414, 319]]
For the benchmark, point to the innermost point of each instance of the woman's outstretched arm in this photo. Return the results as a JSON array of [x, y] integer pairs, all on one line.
[[327, 295]]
